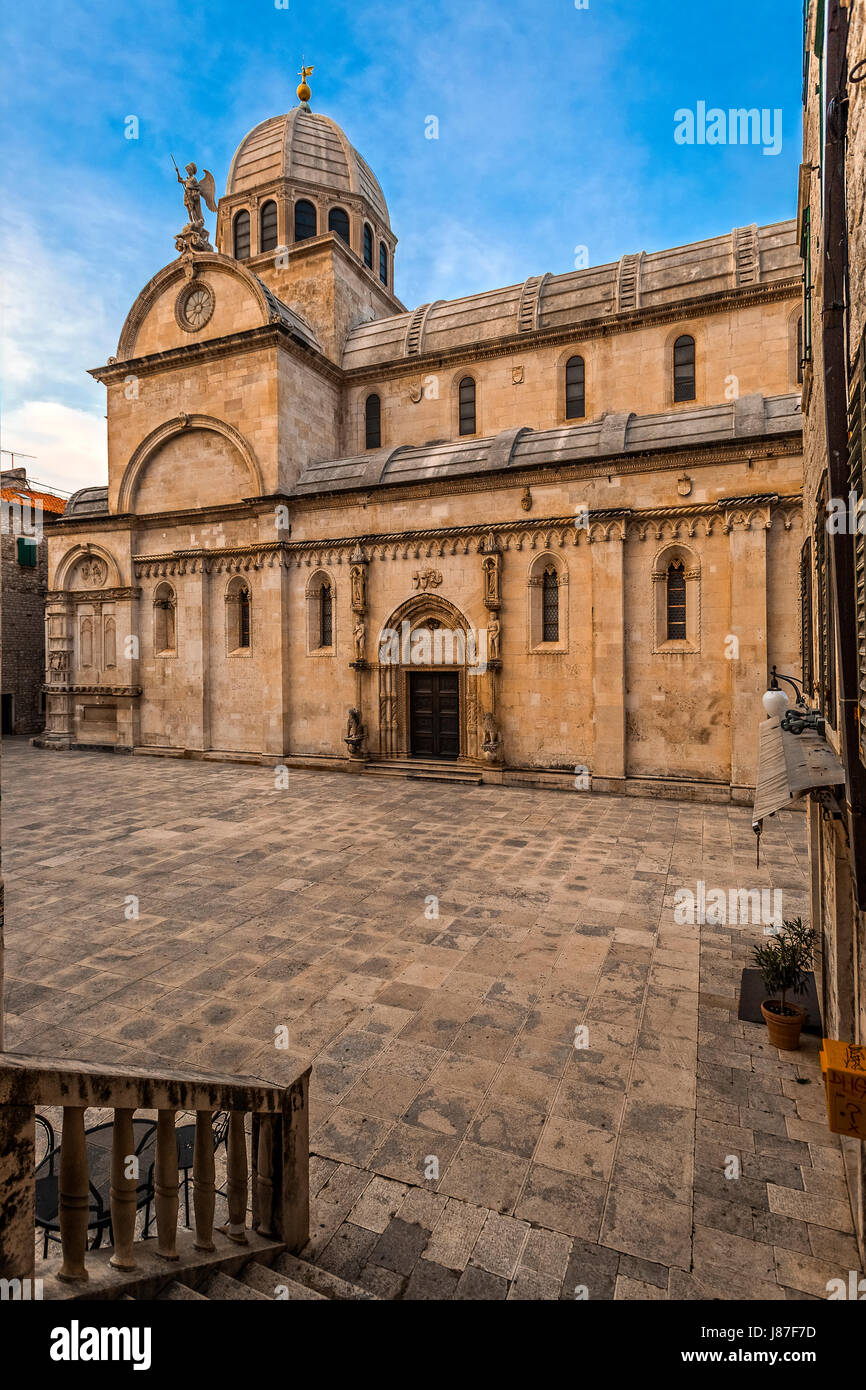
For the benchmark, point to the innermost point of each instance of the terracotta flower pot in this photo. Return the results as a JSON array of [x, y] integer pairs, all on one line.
[[783, 1028]]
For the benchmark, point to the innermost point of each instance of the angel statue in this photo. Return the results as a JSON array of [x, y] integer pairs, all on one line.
[[194, 190]]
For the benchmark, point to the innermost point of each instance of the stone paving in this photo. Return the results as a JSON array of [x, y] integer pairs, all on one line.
[[435, 949]]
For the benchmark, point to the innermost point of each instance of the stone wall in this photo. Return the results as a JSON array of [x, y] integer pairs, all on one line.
[[840, 927], [751, 349], [23, 634]]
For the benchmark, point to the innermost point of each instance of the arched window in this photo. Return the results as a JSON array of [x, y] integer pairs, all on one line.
[[575, 389], [305, 220], [338, 221], [238, 616], [321, 603], [326, 616], [547, 579], [373, 423], [268, 226], [549, 605], [684, 368], [676, 601], [368, 245], [800, 349], [242, 236], [467, 405], [383, 263], [164, 620]]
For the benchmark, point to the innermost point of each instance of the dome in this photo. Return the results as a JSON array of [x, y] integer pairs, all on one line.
[[305, 147]]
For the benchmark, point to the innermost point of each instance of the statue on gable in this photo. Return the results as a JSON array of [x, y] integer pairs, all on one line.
[[194, 236]]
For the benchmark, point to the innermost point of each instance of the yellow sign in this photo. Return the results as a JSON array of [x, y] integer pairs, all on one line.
[[844, 1068]]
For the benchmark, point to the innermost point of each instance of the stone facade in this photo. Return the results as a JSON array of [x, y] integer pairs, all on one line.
[[840, 926], [22, 622], [229, 594]]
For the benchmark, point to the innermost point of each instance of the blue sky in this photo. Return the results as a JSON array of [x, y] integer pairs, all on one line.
[[556, 131]]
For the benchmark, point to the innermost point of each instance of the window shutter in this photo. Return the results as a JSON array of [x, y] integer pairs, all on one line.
[[26, 552], [856, 449], [806, 629], [826, 639]]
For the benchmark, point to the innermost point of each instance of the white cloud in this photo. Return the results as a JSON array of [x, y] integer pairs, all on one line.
[[55, 321], [69, 445]]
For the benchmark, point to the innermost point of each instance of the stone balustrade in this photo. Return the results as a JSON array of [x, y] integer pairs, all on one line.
[[280, 1158]]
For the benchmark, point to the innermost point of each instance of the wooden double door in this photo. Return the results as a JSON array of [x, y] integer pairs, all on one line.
[[434, 709]]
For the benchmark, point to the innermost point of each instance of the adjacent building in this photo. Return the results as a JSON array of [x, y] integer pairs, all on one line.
[[24, 561], [833, 559]]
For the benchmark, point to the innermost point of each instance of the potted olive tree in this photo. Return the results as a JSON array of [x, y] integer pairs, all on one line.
[[784, 963]]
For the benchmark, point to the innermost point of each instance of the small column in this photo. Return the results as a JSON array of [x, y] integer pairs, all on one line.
[[237, 1183], [204, 1181], [166, 1186], [123, 1189], [263, 1212], [74, 1196]]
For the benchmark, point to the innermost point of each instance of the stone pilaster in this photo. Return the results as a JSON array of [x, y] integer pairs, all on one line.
[[607, 549]]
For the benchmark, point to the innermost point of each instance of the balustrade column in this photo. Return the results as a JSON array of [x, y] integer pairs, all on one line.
[[237, 1182], [204, 1184], [166, 1186], [124, 1182], [265, 1175], [74, 1195]]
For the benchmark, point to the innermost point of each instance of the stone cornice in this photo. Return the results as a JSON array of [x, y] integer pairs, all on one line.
[[480, 537], [584, 330], [125, 690], [91, 595], [267, 335]]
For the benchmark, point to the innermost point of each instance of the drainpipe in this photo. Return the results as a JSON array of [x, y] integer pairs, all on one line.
[[834, 338]]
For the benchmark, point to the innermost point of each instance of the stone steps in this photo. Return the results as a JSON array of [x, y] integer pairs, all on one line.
[[288, 1278], [427, 770]]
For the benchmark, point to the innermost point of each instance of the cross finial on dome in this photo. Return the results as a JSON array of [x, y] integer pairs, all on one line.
[[304, 92]]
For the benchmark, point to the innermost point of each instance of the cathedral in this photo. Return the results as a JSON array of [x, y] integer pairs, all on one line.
[[546, 534]]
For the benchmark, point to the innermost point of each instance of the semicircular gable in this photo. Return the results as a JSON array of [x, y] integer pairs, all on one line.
[[87, 566], [191, 461], [169, 313]]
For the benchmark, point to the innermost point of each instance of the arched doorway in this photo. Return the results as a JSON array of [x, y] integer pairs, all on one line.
[[428, 682]]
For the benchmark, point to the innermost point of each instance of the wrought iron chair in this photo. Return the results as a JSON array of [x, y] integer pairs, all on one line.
[[99, 1170], [184, 1136]]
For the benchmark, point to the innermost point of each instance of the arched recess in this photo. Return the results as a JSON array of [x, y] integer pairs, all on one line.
[[153, 443], [164, 620], [676, 564], [77, 570], [547, 589], [428, 633]]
